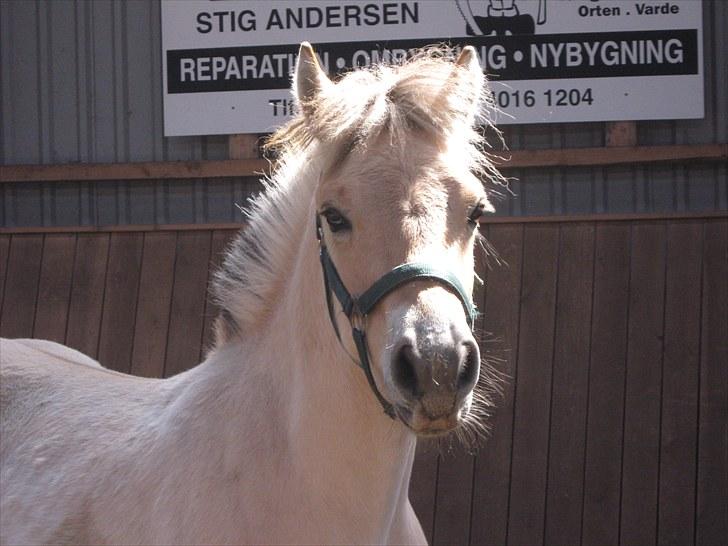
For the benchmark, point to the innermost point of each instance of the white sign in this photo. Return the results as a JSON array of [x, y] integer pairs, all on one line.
[[227, 64]]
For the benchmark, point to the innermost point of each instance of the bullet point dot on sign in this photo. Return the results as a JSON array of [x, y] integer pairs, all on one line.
[[340, 63], [518, 56]]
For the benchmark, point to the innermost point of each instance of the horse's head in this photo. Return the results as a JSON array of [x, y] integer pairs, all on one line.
[[399, 185]]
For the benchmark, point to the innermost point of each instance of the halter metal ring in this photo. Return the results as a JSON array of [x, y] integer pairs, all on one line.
[[357, 319]]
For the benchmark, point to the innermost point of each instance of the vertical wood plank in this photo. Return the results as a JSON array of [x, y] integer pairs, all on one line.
[[21, 286], [570, 381], [153, 308], [602, 465], [423, 486], [220, 241], [489, 523], [681, 368], [243, 146], [454, 497], [87, 292], [120, 300], [620, 133], [188, 301], [456, 464], [4, 254], [54, 288], [641, 444], [712, 480], [533, 385]]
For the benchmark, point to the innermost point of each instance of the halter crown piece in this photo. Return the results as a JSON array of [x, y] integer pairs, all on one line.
[[356, 309]]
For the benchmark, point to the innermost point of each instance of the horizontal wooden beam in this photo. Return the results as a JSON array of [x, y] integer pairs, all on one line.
[[519, 159], [121, 228], [152, 170], [625, 217], [605, 156]]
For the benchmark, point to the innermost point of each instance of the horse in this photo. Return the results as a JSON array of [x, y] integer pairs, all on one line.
[[345, 333]]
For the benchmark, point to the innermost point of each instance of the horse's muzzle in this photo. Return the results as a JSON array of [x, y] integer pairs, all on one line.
[[434, 375]]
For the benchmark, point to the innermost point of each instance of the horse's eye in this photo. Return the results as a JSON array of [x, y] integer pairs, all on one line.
[[336, 220], [476, 213]]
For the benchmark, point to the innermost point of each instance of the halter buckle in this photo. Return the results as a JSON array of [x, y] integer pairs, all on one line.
[[357, 319]]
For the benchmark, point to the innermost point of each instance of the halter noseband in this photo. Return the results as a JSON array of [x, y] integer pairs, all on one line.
[[357, 309]]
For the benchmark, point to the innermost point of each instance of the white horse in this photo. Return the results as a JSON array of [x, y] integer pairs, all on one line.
[[277, 437]]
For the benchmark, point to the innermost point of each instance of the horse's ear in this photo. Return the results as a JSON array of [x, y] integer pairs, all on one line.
[[310, 78], [468, 59], [474, 83]]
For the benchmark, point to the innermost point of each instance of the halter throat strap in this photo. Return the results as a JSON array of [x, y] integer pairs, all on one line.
[[356, 309]]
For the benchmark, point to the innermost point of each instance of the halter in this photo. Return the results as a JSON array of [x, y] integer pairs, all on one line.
[[357, 309]]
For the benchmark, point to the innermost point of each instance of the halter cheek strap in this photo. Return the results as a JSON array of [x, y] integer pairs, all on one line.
[[357, 309]]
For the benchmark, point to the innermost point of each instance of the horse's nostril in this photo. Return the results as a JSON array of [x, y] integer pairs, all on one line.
[[468, 374], [404, 373]]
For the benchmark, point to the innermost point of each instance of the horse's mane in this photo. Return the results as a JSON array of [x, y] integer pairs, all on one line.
[[428, 93]]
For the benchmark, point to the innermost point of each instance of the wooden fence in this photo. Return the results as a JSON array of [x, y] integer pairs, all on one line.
[[613, 429]]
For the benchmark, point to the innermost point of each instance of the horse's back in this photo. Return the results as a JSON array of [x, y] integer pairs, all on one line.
[[35, 371], [40, 352], [27, 371], [61, 414], [45, 387]]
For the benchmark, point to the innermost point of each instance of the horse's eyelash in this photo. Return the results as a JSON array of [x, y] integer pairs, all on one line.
[[476, 212]]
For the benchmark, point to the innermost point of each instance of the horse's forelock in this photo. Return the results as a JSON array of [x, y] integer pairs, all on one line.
[[428, 92]]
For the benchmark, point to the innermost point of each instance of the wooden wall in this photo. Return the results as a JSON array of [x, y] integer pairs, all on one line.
[[612, 430]]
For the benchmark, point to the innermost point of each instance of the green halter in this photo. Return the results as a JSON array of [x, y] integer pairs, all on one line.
[[357, 309]]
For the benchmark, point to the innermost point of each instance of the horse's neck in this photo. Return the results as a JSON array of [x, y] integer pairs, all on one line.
[[341, 438], [305, 396], [337, 425]]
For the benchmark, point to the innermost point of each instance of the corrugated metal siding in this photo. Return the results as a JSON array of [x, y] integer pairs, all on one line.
[[187, 201], [81, 82], [648, 189]]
